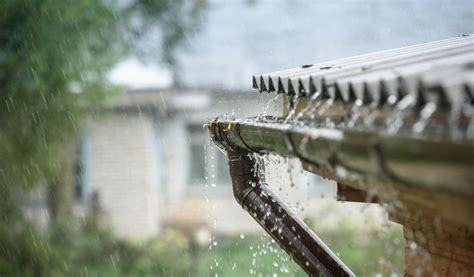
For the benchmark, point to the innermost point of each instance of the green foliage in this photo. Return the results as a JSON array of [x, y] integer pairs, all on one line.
[[368, 251], [365, 252], [77, 251], [246, 256], [84, 250], [48, 50], [54, 57]]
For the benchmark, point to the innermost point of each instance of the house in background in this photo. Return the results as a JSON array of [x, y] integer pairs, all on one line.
[[148, 164]]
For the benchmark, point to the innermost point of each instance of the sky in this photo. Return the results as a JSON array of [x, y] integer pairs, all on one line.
[[241, 38]]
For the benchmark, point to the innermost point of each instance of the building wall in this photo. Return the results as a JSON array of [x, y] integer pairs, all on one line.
[[175, 159], [123, 173]]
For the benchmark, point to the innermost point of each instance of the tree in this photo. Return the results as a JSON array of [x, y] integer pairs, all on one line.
[[54, 56]]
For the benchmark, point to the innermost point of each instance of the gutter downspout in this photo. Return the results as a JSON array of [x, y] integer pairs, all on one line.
[[278, 220]]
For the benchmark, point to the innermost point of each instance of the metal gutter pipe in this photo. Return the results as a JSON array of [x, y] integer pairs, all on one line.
[[278, 220]]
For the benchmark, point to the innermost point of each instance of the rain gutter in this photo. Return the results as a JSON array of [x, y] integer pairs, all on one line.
[[363, 154], [278, 220]]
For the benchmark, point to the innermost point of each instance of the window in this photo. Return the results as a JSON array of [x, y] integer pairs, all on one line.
[[203, 155], [197, 169]]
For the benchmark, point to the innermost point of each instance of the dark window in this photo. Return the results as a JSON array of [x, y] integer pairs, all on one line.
[[197, 169], [197, 165], [202, 154]]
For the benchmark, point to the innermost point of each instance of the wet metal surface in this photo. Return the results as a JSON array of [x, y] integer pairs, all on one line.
[[278, 220], [432, 84]]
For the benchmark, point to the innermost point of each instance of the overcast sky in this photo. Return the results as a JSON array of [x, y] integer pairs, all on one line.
[[239, 39]]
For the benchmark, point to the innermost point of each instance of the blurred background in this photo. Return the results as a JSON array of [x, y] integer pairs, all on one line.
[[105, 167]]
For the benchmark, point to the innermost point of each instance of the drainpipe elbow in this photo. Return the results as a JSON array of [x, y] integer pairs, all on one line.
[[243, 173]]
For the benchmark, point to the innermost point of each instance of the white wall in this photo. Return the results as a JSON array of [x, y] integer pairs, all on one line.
[[123, 170], [175, 159]]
